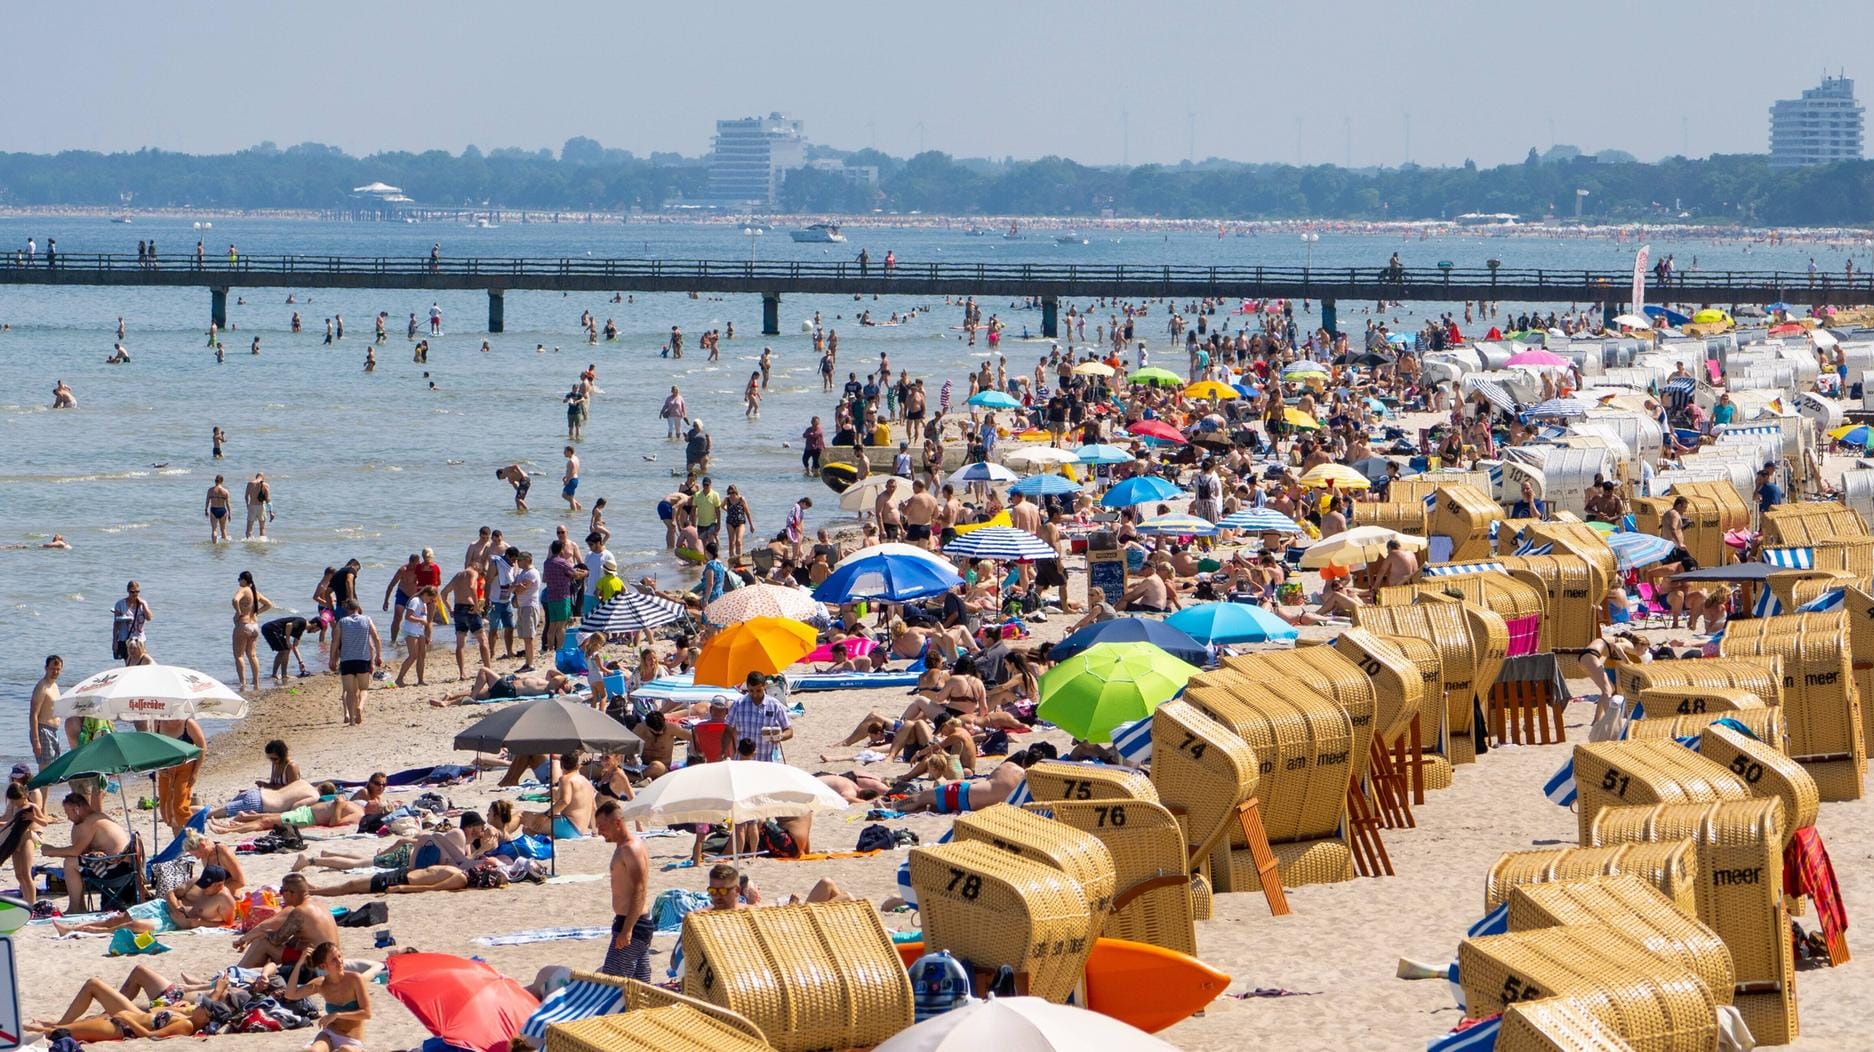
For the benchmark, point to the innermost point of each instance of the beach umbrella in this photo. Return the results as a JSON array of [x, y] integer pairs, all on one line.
[[1710, 316], [1139, 489], [1159, 430], [1560, 407], [1634, 321], [1090, 693], [1300, 370], [1211, 389], [549, 725], [888, 576], [1176, 525], [1779, 306], [893, 548], [1260, 520], [1246, 390], [1098, 453], [732, 792], [1000, 518], [1823, 338], [1537, 358], [631, 611], [763, 644], [124, 753], [1359, 546], [1296, 418], [1156, 377], [1372, 468], [465, 1003], [764, 600], [151, 692], [1132, 630], [1635, 550], [860, 495], [1043, 455], [1672, 317], [1231, 623], [1045, 486], [982, 471], [993, 400], [1854, 435], [1339, 474], [1022, 1024], [1093, 369], [1000, 542]]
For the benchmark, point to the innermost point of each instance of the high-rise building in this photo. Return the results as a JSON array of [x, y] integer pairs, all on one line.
[[752, 156], [1822, 127]]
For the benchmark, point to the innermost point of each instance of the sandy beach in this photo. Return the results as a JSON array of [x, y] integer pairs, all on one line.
[[1337, 950]]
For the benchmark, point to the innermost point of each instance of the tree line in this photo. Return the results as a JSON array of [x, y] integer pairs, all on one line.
[[585, 176]]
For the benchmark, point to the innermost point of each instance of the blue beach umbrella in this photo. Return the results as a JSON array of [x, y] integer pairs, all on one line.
[[1141, 489], [1634, 550], [1231, 623], [1133, 630], [993, 400], [887, 576], [1045, 486], [1103, 454]]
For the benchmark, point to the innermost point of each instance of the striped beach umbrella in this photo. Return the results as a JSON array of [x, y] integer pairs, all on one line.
[[1560, 407], [1000, 542], [1261, 520], [1634, 550], [1175, 525], [631, 611]]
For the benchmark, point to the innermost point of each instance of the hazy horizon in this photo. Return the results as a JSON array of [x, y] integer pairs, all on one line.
[[1348, 84]]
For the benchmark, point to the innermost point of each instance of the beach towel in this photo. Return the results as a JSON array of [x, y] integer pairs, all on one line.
[[127, 943], [533, 935], [854, 680], [1133, 742], [579, 999], [1475, 1036], [1808, 871], [673, 905]]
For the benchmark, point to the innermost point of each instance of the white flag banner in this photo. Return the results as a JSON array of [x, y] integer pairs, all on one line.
[[1639, 281]]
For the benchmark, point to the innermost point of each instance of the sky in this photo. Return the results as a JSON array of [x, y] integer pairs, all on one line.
[[1341, 81]]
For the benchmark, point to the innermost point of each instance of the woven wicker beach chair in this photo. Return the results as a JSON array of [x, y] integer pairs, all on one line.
[[1821, 704], [993, 908], [1152, 887], [1061, 780], [1671, 867], [1208, 778], [1767, 772], [676, 1028], [1424, 744], [1765, 724], [1636, 910], [1555, 1024], [1613, 773], [1077, 853], [810, 977]]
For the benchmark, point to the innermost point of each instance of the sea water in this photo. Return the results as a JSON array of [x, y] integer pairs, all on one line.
[[379, 466]]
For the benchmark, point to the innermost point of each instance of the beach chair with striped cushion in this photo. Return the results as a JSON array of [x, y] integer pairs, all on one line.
[[557, 1023]]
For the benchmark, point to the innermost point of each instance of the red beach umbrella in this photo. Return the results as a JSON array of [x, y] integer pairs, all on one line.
[[464, 1002]]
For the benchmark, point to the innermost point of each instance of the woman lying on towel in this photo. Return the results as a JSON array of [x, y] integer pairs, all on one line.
[[126, 1024], [330, 809], [483, 873], [962, 797]]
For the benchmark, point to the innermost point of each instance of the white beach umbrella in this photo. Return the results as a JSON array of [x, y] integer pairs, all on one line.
[[1634, 321], [895, 548], [764, 600], [1022, 1024], [731, 791], [860, 495], [1043, 455], [1359, 546], [151, 692]]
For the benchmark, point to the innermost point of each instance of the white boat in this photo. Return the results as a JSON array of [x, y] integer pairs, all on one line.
[[1070, 238], [818, 234], [121, 219]]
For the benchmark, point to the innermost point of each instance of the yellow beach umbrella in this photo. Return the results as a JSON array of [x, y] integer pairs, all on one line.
[[1360, 546], [1001, 518], [1297, 418], [1211, 389], [763, 644], [1093, 369], [1339, 474], [1711, 316]]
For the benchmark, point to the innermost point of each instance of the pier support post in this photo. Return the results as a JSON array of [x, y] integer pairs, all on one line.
[[1050, 317], [1330, 318], [771, 314], [218, 307], [1608, 310], [497, 310]]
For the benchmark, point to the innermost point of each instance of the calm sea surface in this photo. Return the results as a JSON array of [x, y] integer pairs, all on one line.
[[378, 466]]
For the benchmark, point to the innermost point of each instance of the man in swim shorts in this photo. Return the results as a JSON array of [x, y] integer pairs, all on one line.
[[514, 476], [207, 903], [492, 686]]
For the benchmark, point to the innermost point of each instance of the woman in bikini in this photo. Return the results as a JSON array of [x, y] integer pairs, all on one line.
[[249, 604], [739, 519], [18, 826], [347, 998]]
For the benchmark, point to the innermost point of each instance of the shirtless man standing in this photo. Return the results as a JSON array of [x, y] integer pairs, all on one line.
[[919, 510], [215, 507], [569, 482], [569, 817], [1025, 516], [885, 509], [464, 594], [256, 498], [405, 583], [949, 511], [629, 951], [42, 726], [302, 923]]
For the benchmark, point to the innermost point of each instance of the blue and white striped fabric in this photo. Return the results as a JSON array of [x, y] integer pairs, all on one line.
[[1560, 788], [1000, 542], [579, 999], [905, 890], [1462, 569], [1021, 797], [1261, 520], [1132, 741], [1532, 548], [1560, 407], [1790, 558], [684, 689], [1496, 922], [1495, 525], [1634, 550], [1678, 391], [1479, 1038], [1768, 605], [1821, 604]]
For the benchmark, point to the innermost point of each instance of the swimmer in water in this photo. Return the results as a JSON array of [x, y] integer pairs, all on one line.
[[215, 508], [119, 356], [62, 397]]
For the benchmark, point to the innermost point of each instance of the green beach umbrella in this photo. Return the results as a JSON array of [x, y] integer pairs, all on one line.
[[110, 754], [1157, 376], [1109, 684]]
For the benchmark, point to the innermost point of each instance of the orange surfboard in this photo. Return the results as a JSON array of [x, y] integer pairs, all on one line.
[[1147, 986]]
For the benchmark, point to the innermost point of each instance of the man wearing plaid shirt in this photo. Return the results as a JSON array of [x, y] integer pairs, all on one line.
[[763, 720]]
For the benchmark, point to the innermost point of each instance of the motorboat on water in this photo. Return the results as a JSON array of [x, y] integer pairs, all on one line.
[[1070, 238], [818, 234]]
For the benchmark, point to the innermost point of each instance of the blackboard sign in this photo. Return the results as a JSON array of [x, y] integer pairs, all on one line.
[[1107, 572]]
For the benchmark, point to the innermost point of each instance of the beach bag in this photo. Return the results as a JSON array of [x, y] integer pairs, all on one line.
[[173, 875], [368, 915], [874, 837], [127, 943], [254, 907], [777, 842], [527, 845], [939, 983], [570, 660]]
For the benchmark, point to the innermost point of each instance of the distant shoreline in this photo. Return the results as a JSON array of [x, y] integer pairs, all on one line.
[[992, 226]]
